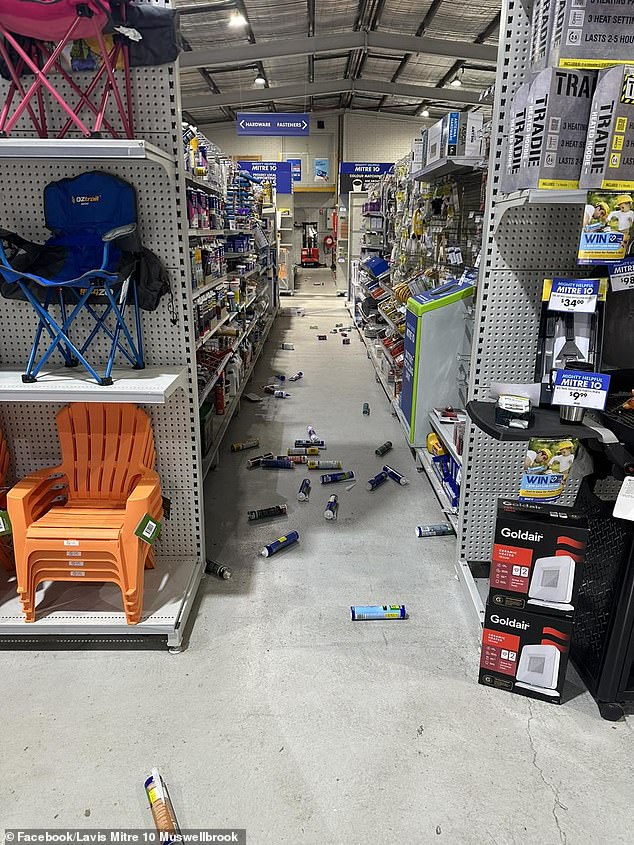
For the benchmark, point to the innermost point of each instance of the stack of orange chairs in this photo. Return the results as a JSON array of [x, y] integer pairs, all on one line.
[[76, 522], [6, 552]]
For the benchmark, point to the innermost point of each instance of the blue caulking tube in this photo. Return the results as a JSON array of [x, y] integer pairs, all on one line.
[[312, 434], [303, 494], [297, 376], [395, 476], [255, 462], [439, 530], [332, 507], [307, 444], [280, 377], [325, 465], [281, 543], [378, 479], [276, 463], [304, 450], [361, 613], [336, 476], [281, 394], [264, 513]]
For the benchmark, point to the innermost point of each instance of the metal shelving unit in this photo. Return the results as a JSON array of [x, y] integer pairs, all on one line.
[[446, 167]]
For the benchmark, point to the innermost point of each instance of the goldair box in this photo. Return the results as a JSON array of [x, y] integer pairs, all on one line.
[[591, 34], [557, 112], [608, 160]]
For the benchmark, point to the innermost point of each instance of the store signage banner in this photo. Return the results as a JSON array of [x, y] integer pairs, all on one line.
[[278, 173], [322, 170], [279, 123], [296, 168], [622, 275], [356, 175], [581, 390], [574, 295]]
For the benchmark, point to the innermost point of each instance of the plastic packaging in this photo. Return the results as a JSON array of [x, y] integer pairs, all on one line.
[[361, 613], [265, 513], [307, 444], [281, 543], [306, 450], [161, 807], [332, 507]]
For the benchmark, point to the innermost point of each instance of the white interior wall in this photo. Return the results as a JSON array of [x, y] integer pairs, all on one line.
[[378, 138]]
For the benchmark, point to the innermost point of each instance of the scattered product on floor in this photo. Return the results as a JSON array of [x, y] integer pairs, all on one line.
[[366, 409], [332, 507], [335, 477], [281, 543], [266, 513], [297, 376], [161, 807], [304, 450], [322, 337], [312, 434], [287, 346], [276, 463], [314, 328], [255, 462], [394, 475], [378, 479], [295, 459], [253, 397], [350, 486], [346, 341], [281, 394], [303, 494], [300, 444], [364, 613], [270, 388], [247, 444], [384, 449], [439, 530], [325, 465], [217, 569]]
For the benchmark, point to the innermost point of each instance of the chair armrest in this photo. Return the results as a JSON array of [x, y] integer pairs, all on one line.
[[33, 496], [119, 232], [145, 498]]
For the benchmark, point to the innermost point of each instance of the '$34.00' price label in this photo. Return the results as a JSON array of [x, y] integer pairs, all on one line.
[[576, 295]]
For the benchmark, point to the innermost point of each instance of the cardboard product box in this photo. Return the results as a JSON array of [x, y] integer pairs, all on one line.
[[591, 34], [515, 135], [525, 653], [434, 143], [417, 152], [424, 137], [556, 126], [537, 560], [608, 160], [462, 134], [541, 33]]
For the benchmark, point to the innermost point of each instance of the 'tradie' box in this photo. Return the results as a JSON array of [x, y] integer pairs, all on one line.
[[591, 34]]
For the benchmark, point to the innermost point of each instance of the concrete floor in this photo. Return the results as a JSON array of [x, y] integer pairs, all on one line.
[[283, 716]]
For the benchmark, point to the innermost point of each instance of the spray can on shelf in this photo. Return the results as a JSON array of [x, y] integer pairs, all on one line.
[[276, 463], [303, 494], [305, 450], [281, 394], [332, 507], [218, 569], [297, 376], [439, 530], [334, 477], [307, 444], [366, 409], [384, 449], [255, 462], [247, 444], [394, 475], [378, 479], [312, 434], [281, 543], [325, 465], [362, 613], [265, 513]]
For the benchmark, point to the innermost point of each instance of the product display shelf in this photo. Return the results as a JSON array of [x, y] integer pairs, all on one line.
[[534, 196], [212, 382], [390, 322], [85, 149], [150, 386], [373, 214], [211, 331], [95, 609], [195, 182], [205, 233], [424, 459], [210, 284], [546, 424], [208, 459], [249, 254], [446, 167], [445, 432]]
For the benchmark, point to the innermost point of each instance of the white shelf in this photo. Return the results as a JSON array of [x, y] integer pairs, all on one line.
[[200, 183], [210, 332], [445, 167], [151, 386], [205, 233], [84, 148], [534, 196], [426, 463], [94, 609], [214, 283], [445, 432], [373, 214], [249, 254]]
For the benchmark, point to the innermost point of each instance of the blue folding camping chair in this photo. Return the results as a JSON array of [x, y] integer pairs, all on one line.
[[85, 269]]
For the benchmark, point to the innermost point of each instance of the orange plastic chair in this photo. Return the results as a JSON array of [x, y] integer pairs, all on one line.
[[6, 552], [76, 522]]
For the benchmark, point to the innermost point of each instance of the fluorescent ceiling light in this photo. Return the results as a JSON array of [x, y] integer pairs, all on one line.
[[237, 19]]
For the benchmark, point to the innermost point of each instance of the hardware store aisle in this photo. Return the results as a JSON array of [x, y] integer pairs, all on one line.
[[283, 716]]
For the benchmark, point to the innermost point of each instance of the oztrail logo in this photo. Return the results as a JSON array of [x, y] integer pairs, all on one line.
[[83, 200]]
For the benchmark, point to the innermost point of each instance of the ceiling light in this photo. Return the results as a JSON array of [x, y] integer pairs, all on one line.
[[424, 113], [237, 19], [457, 82], [260, 81]]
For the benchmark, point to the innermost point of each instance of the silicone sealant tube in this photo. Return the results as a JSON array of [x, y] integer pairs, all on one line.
[[304, 450], [439, 530], [362, 613], [275, 463], [297, 376], [255, 462], [264, 513], [332, 507], [395, 476], [281, 543], [294, 459], [384, 449], [303, 494], [312, 434], [333, 477], [378, 479], [320, 444], [281, 394], [325, 465], [248, 444]]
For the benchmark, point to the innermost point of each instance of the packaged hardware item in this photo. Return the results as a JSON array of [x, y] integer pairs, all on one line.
[[537, 560], [541, 33], [524, 653], [546, 468], [513, 411], [456, 134], [364, 613], [557, 113], [590, 33], [608, 160]]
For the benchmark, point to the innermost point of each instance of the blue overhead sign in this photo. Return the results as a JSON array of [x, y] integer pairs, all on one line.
[[263, 123], [366, 168], [277, 173]]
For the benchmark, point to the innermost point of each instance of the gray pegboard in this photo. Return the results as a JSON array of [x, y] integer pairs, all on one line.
[[521, 246]]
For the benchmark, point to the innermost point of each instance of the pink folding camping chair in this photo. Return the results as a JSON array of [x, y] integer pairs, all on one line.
[[35, 38]]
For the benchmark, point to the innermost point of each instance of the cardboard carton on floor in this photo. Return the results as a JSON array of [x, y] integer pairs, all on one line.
[[608, 160]]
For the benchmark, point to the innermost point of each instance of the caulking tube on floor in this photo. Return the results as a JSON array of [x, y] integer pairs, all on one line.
[[255, 462], [307, 444], [276, 463], [264, 513], [312, 434], [439, 530], [325, 465], [333, 477], [218, 569], [394, 475], [281, 543], [303, 450], [281, 394], [378, 479], [361, 613], [294, 459], [303, 494], [248, 444], [332, 507], [384, 449], [297, 376]]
